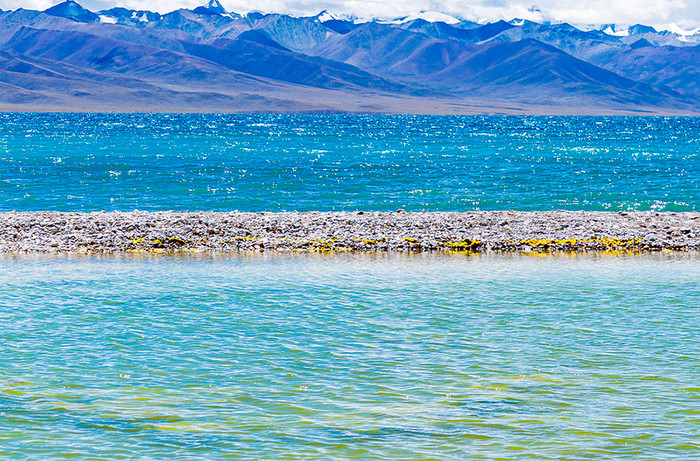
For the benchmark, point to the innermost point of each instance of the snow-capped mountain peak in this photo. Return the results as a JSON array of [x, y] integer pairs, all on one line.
[[215, 7], [326, 15], [73, 11]]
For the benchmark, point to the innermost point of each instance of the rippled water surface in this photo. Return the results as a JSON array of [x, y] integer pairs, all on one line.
[[351, 357], [91, 162]]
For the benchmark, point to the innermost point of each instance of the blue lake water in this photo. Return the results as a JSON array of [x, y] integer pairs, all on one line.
[[442, 357], [349, 356], [90, 162]]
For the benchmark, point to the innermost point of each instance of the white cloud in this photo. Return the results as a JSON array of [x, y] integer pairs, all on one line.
[[652, 12], [27, 4]]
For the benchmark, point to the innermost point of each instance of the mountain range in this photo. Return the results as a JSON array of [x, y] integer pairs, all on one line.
[[208, 59]]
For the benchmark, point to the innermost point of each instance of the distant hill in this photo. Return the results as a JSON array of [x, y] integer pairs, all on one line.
[[210, 59]]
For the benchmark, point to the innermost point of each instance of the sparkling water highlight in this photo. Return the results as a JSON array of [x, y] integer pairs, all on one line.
[[93, 162]]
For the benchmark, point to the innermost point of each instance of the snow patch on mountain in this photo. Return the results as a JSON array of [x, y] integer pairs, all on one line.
[[676, 29], [615, 30], [625, 30]]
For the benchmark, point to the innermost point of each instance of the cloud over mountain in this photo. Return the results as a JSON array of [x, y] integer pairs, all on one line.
[[654, 12]]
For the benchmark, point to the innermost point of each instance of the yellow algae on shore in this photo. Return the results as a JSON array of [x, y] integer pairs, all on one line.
[[465, 244], [605, 241]]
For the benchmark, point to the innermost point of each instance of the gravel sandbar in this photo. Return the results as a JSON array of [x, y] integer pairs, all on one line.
[[114, 232]]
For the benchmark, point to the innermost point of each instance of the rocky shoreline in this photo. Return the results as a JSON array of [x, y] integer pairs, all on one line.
[[478, 231]]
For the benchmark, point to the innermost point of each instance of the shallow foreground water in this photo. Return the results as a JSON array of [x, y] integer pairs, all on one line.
[[356, 356]]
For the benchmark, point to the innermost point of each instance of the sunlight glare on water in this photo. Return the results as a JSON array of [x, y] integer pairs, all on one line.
[[94, 162]]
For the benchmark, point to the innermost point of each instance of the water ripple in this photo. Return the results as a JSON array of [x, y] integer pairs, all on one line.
[[350, 356]]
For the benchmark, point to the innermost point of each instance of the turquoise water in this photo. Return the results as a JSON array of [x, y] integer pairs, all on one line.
[[365, 356], [351, 356], [91, 162]]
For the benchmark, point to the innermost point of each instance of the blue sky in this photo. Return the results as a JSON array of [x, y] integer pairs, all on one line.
[[685, 13]]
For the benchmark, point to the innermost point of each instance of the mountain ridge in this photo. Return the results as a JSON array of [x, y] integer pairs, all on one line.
[[208, 57]]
